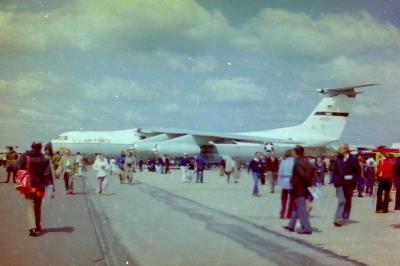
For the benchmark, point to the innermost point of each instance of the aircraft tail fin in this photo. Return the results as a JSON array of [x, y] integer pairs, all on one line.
[[329, 118]]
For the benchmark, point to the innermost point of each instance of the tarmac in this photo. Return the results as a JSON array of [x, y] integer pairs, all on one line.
[[160, 220]]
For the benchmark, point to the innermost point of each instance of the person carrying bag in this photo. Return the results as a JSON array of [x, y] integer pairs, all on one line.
[[34, 175]]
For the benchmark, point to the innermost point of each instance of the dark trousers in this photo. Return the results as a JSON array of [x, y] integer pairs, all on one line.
[[287, 203], [34, 210], [370, 189], [199, 176], [382, 204], [348, 195], [397, 205], [360, 185], [69, 184], [10, 171], [228, 176]]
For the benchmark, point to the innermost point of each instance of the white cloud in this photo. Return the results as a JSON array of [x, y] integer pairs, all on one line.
[[32, 83], [189, 64], [125, 24], [182, 27], [342, 71], [347, 71], [115, 89], [297, 35], [229, 90]]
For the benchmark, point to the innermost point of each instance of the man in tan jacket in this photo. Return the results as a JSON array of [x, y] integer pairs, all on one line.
[[11, 160], [66, 169]]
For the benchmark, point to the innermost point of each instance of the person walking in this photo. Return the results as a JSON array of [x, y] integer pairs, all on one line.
[[114, 169], [66, 169], [141, 162], [161, 163], [38, 166], [56, 160], [222, 167], [272, 167], [369, 173], [11, 160], [167, 164], [256, 166], [285, 173], [200, 165], [121, 165], [302, 176], [229, 167], [101, 166], [385, 175], [321, 170], [184, 165], [237, 169], [361, 177], [345, 172], [129, 167], [396, 173], [79, 163]]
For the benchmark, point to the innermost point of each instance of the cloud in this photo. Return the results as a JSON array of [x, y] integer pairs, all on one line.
[[189, 64], [376, 102], [32, 83], [117, 90], [96, 24], [347, 71], [231, 90], [297, 35], [183, 29]]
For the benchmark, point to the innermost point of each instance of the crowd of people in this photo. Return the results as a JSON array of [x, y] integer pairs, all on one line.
[[298, 177]]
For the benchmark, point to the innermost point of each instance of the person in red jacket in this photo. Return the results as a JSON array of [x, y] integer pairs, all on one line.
[[385, 177]]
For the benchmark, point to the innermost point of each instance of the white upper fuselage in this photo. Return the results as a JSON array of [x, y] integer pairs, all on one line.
[[90, 142]]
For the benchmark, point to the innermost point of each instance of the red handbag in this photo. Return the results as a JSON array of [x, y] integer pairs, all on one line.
[[23, 184]]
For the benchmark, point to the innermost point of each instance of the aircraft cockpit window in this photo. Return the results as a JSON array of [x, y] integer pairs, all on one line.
[[62, 138]]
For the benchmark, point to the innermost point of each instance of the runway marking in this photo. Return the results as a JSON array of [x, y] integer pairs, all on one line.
[[112, 251], [265, 242]]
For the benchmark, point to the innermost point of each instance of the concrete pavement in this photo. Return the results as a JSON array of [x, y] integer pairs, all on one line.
[[162, 221], [74, 233]]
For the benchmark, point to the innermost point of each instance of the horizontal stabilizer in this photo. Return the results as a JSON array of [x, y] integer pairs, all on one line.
[[348, 91]]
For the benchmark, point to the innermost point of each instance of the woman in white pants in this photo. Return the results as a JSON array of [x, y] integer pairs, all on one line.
[[101, 166]]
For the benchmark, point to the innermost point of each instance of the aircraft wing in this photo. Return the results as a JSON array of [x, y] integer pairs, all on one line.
[[213, 136]]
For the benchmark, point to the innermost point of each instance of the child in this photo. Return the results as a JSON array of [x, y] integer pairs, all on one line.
[[370, 177]]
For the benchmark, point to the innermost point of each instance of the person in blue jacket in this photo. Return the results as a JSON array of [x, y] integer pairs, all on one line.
[[121, 165], [256, 167], [200, 165]]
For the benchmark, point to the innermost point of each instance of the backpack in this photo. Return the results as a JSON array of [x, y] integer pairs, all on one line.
[[23, 184]]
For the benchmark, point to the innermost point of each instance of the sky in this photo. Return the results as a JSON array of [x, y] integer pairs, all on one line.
[[227, 66]]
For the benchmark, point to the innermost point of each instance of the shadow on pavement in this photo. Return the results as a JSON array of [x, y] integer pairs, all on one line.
[[79, 193], [352, 222], [395, 226], [64, 229], [316, 230]]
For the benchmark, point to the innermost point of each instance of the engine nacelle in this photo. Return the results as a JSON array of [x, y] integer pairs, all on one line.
[[177, 149]]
